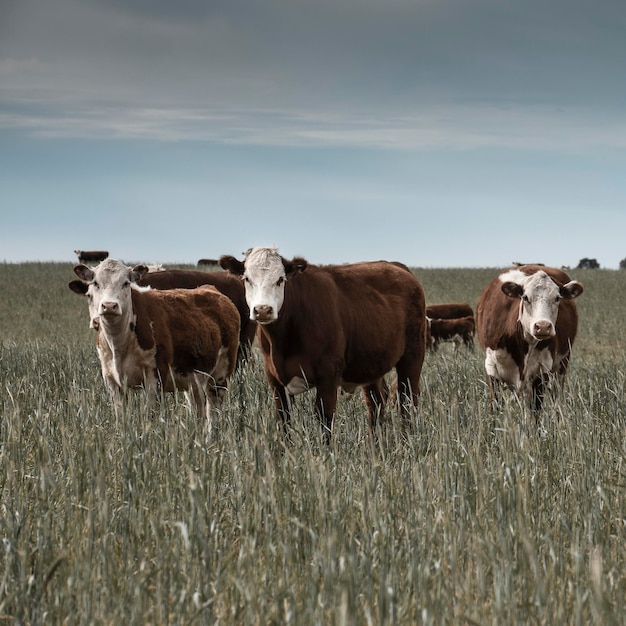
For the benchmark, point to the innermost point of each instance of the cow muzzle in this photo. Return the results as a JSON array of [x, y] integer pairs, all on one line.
[[543, 330], [263, 313], [110, 308]]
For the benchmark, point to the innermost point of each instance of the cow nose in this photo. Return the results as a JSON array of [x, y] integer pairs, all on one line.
[[543, 329], [109, 308], [263, 313]]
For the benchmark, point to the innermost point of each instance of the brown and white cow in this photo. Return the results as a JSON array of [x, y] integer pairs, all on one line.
[[458, 330], [333, 326], [526, 325], [91, 256], [224, 282], [171, 340]]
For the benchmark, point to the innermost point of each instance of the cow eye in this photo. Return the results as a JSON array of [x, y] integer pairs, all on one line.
[[126, 283], [280, 281], [96, 285], [526, 299]]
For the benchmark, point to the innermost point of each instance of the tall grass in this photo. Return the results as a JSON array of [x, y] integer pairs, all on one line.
[[143, 518]]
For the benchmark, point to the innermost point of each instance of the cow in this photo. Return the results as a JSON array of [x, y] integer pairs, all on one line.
[[202, 262], [179, 339], [449, 310], [334, 326], [91, 256], [459, 330], [227, 284], [526, 321]]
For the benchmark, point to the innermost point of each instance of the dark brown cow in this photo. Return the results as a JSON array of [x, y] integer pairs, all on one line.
[[170, 340], [334, 326], [91, 256], [449, 310], [227, 284], [526, 324], [460, 331]]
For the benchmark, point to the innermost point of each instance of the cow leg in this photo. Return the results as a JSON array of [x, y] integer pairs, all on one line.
[[197, 396], [215, 396], [376, 395], [114, 389], [151, 385], [281, 403], [117, 397], [493, 384], [325, 406], [562, 371], [537, 394], [208, 396], [408, 372]]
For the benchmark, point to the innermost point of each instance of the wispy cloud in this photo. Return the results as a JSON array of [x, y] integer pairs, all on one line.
[[459, 127]]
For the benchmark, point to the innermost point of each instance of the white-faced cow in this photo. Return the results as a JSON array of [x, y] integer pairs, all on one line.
[[224, 282], [526, 325], [179, 339], [91, 256], [459, 330], [333, 326]]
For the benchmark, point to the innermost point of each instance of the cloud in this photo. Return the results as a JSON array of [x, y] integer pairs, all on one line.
[[460, 127], [404, 74], [340, 54]]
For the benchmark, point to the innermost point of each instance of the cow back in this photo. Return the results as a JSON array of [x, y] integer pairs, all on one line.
[[449, 310], [225, 283], [188, 327], [358, 318]]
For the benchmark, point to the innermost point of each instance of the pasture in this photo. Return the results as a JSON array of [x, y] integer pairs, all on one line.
[[475, 518]]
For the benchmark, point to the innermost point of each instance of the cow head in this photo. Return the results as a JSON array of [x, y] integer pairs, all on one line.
[[107, 287], [264, 273], [539, 297]]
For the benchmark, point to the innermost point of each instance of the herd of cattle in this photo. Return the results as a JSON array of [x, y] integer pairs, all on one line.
[[326, 327]]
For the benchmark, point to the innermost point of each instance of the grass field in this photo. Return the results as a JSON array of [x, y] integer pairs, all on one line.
[[476, 518]]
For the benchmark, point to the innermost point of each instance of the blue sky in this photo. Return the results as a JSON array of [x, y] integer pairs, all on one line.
[[441, 133]]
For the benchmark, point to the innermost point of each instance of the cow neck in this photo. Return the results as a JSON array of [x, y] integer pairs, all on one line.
[[282, 333], [526, 337], [119, 333]]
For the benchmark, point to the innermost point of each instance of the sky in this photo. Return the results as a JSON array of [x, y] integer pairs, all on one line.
[[439, 133]]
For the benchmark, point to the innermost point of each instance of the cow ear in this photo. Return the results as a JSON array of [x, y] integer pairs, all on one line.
[[232, 265], [138, 272], [512, 290], [571, 290], [78, 286], [296, 265], [84, 272]]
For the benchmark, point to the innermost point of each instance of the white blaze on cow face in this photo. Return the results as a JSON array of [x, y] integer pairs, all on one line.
[[539, 298], [108, 291], [264, 279]]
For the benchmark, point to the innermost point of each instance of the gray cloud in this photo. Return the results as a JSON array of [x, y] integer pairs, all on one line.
[[400, 73], [450, 127]]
